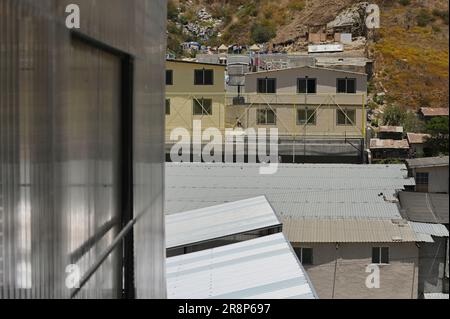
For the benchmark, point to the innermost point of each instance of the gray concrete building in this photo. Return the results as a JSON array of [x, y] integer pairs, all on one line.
[[81, 149], [429, 216], [431, 174]]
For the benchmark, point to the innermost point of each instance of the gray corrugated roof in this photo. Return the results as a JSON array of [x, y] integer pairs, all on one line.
[[219, 221], [310, 190], [299, 230], [428, 162], [263, 268], [425, 207]]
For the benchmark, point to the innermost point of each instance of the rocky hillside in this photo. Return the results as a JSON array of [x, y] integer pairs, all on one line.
[[410, 50]]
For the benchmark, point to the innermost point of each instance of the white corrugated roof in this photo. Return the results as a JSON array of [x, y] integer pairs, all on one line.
[[263, 268], [437, 230], [309, 191], [435, 296], [219, 221]]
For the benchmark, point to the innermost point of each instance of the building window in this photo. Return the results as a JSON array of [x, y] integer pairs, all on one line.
[[380, 255], [202, 107], [266, 86], [167, 106], [346, 86], [169, 77], [266, 117], [306, 116], [305, 255], [422, 178], [346, 117], [306, 86], [203, 77]]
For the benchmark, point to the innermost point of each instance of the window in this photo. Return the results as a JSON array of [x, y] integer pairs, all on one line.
[[307, 86], [167, 106], [346, 117], [346, 86], [202, 107], [306, 116], [267, 85], [169, 77], [380, 255], [422, 178], [266, 117], [305, 255], [203, 77]]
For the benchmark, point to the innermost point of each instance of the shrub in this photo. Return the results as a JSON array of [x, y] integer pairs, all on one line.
[[393, 116], [296, 5], [261, 33], [172, 10], [405, 2], [442, 14], [424, 18]]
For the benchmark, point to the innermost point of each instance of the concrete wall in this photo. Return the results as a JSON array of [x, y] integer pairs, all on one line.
[[326, 81], [341, 273], [432, 263], [438, 179]]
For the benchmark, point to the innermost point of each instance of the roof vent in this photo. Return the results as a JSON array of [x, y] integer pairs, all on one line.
[[397, 239]]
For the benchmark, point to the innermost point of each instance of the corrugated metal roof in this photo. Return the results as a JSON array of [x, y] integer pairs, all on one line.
[[425, 207], [310, 191], [305, 67], [263, 268], [392, 144], [417, 138], [430, 111], [390, 129], [347, 231], [219, 221], [428, 162], [437, 230], [435, 296]]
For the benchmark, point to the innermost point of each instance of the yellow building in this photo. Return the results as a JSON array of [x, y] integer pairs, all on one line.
[[194, 91]]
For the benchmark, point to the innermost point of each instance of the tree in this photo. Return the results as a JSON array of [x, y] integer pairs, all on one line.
[[438, 144]]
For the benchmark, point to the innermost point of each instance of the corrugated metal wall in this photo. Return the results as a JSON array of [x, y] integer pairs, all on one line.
[[59, 114]]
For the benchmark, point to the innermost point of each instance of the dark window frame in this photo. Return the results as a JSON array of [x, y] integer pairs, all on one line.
[[201, 102], [266, 121], [422, 178], [266, 85], [314, 118], [169, 79], [168, 107], [203, 81], [346, 116], [300, 252], [346, 90], [381, 255], [307, 82]]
